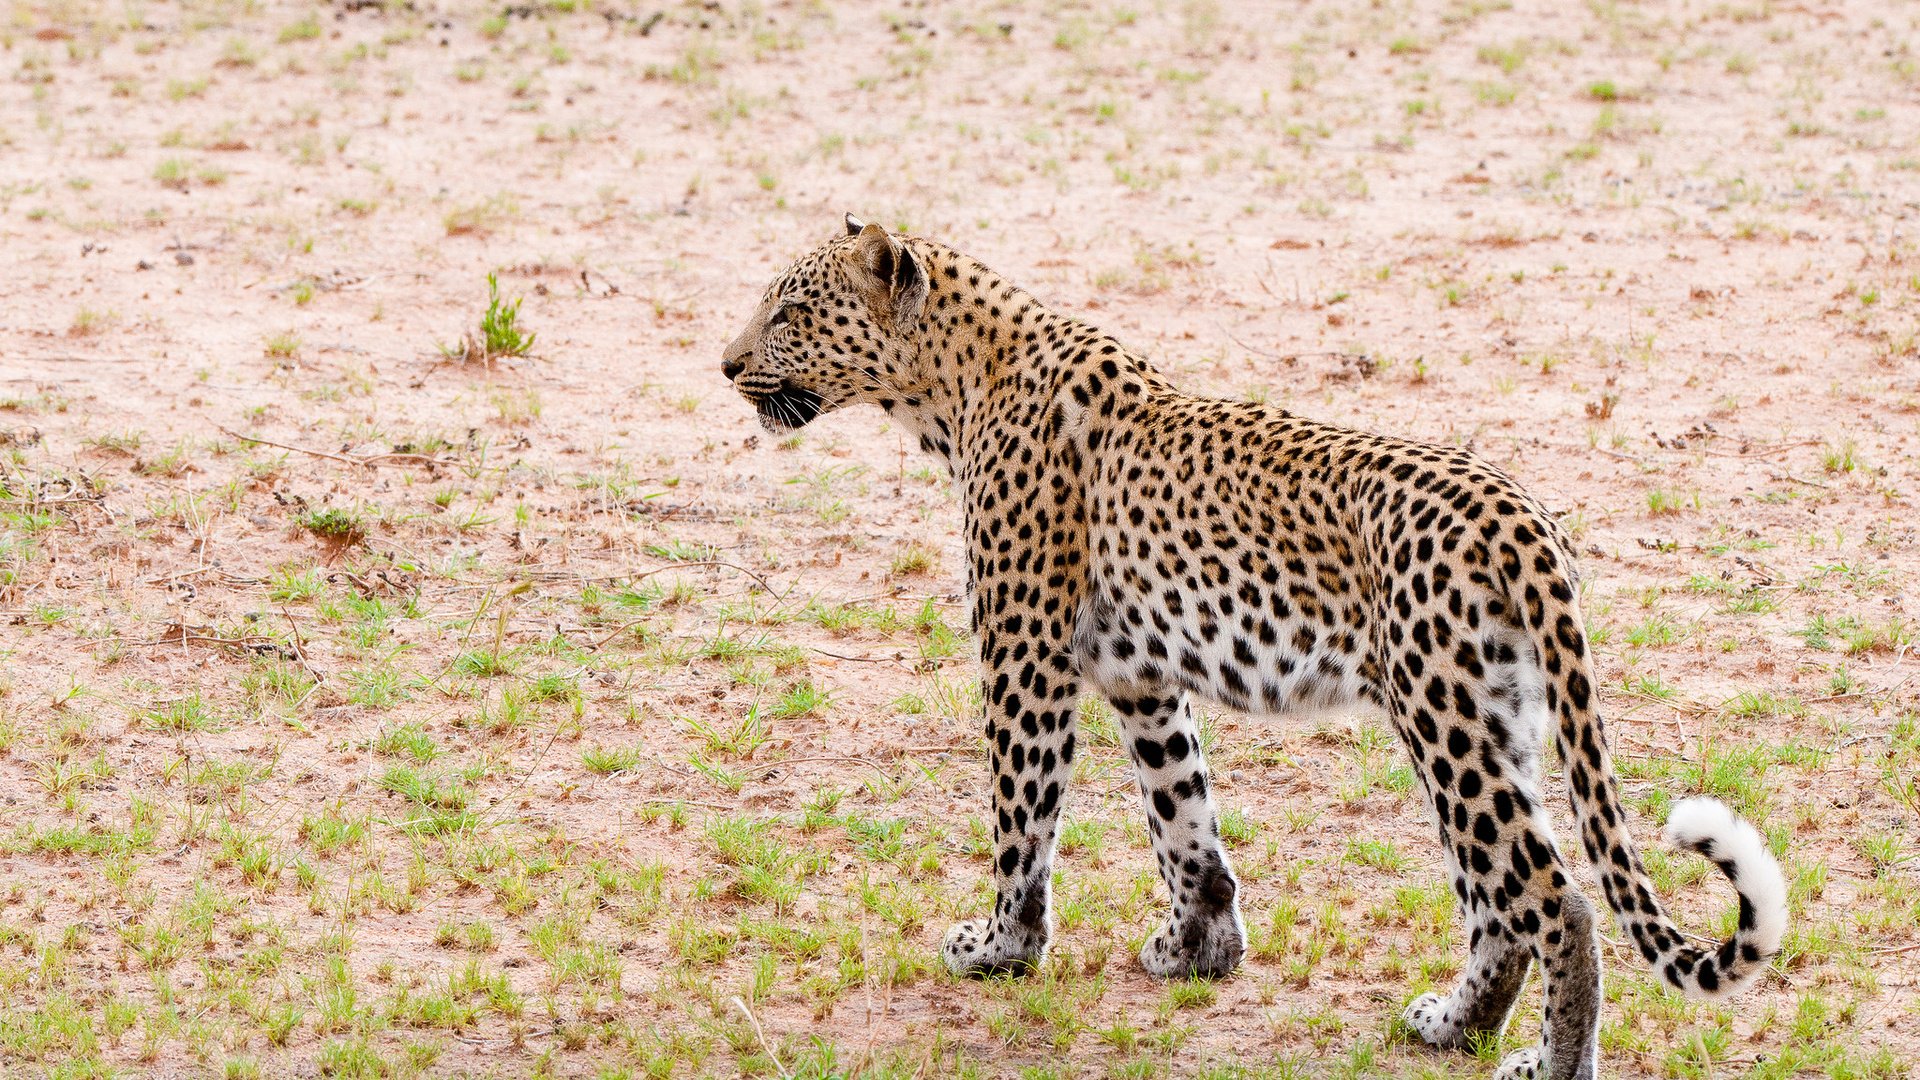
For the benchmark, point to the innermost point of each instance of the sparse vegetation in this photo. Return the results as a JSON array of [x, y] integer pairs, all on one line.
[[500, 333], [548, 717]]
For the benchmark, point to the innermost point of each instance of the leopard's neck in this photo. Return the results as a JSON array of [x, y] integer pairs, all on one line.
[[993, 358]]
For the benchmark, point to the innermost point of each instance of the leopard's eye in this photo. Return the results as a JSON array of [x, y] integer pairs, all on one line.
[[778, 318]]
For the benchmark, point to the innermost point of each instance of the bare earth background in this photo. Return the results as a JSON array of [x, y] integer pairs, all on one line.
[[544, 716]]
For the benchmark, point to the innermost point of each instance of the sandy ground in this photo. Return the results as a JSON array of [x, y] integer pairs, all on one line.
[[543, 715]]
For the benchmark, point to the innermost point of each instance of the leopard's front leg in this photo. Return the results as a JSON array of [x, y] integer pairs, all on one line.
[[1032, 697]]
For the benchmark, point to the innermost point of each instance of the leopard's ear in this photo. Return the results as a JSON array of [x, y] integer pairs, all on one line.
[[854, 225], [898, 284]]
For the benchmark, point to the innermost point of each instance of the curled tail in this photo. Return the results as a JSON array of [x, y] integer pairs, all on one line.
[[1708, 827], [1552, 622]]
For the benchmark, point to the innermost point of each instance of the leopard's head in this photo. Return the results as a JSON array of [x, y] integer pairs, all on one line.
[[836, 328]]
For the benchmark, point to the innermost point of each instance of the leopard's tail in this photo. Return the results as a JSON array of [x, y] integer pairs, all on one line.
[[1552, 622]]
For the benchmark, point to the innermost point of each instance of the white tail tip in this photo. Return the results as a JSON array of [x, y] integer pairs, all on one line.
[[1710, 828]]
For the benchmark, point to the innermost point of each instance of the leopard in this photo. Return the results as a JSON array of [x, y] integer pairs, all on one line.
[[1126, 539]]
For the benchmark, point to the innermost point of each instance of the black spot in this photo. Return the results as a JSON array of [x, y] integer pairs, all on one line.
[[1469, 784], [1152, 754], [1458, 744], [1177, 746], [1483, 829]]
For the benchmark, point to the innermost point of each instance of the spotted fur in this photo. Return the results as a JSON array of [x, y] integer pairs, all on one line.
[[1152, 546]]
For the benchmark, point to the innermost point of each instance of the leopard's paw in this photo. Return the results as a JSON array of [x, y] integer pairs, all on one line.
[[1523, 1064], [975, 948], [1427, 1016], [1210, 950]]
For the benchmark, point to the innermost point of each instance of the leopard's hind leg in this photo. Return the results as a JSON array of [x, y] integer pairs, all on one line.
[[1477, 1008], [1465, 696]]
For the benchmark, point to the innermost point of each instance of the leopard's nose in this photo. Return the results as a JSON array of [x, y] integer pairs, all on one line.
[[732, 368]]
